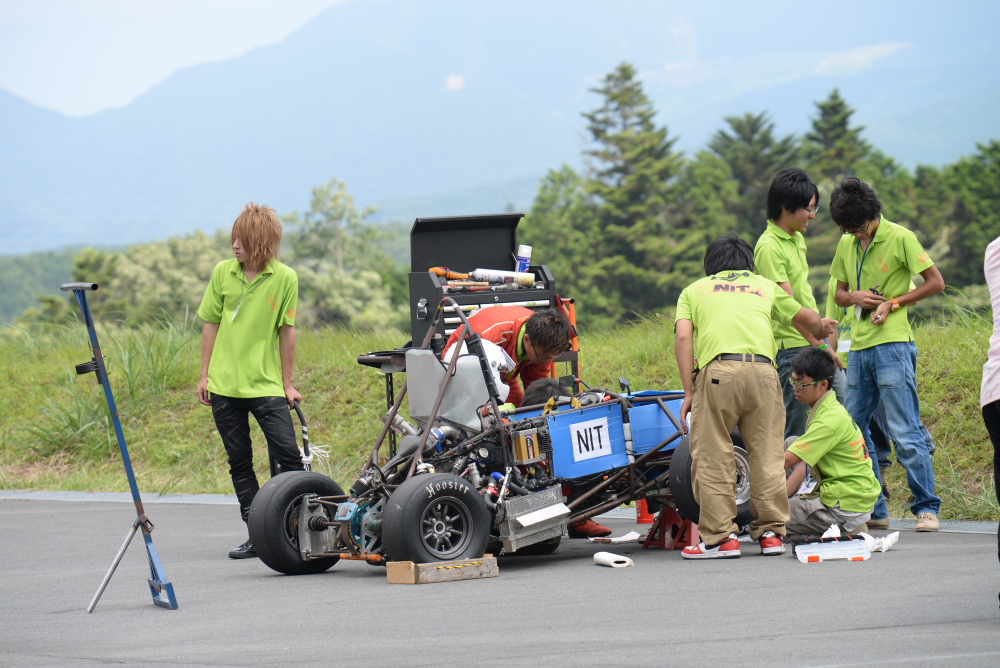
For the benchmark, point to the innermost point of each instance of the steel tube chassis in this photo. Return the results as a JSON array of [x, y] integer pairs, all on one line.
[[647, 474]]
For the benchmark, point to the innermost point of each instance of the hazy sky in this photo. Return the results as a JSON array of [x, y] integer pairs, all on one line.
[[82, 56]]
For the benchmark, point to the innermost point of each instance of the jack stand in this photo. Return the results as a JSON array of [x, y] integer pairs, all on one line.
[[670, 532], [159, 586]]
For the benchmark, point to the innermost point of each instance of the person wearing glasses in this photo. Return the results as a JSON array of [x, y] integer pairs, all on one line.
[[248, 352], [730, 311], [873, 265], [835, 449], [780, 255]]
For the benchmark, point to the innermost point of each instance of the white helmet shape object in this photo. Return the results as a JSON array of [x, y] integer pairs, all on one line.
[[500, 363]]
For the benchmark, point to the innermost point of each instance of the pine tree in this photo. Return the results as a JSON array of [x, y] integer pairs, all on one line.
[[974, 182], [632, 167], [834, 148], [754, 156]]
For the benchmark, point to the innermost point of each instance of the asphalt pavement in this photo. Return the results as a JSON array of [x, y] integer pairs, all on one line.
[[931, 600]]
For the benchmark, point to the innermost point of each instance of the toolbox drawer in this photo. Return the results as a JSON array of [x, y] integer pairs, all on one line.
[[587, 441]]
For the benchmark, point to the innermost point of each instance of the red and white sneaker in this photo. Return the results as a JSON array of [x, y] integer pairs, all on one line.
[[771, 544], [727, 549]]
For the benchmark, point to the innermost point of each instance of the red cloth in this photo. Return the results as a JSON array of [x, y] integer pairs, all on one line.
[[502, 325]]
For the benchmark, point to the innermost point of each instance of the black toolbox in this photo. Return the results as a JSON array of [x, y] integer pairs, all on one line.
[[464, 244]]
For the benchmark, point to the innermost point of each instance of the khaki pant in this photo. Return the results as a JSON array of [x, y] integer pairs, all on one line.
[[811, 517], [748, 395]]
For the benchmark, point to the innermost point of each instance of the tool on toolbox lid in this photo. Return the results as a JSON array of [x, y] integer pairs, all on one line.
[[445, 272]]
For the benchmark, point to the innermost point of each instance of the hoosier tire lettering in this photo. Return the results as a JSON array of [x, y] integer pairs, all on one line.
[[441, 486]]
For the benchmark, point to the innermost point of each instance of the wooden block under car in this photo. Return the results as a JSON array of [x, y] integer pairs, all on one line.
[[407, 572]]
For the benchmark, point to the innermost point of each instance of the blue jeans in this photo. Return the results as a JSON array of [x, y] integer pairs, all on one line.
[[882, 446], [796, 414], [886, 373]]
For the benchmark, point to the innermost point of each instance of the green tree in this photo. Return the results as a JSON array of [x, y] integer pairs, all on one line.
[[754, 156], [344, 276], [833, 148], [633, 165], [144, 282], [700, 212], [563, 230], [974, 182]]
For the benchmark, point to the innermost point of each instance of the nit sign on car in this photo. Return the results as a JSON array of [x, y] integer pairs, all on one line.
[[591, 439]]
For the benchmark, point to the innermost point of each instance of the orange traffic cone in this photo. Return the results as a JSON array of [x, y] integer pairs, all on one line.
[[642, 514]]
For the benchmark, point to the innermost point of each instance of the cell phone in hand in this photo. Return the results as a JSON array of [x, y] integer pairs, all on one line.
[[867, 311]]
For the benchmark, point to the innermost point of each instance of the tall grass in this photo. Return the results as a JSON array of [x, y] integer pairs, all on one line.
[[54, 431]]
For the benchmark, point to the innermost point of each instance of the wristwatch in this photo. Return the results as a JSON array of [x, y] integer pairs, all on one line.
[[895, 306]]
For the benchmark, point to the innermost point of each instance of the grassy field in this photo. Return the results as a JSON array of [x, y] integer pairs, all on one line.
[[55, 434]]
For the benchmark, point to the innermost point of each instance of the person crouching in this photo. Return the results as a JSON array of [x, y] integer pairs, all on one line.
[[835, 449]]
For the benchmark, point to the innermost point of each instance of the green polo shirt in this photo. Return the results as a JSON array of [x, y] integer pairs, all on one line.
[[781, 257], [245, 361], [834, 447], [844, 316], [892, 259], [732, 313]]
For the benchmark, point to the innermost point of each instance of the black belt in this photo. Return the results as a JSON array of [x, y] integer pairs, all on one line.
[[740, 357]]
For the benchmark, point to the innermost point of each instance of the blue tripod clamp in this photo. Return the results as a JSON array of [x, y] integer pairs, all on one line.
[[159, 586]]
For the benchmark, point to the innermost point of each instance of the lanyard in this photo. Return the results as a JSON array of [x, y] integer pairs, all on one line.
[[857, 248]]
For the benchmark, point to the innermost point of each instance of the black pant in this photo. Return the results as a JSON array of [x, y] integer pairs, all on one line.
[[232, 420], [991, 416]]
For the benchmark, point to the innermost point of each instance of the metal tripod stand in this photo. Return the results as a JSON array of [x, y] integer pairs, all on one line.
[[159, 586]]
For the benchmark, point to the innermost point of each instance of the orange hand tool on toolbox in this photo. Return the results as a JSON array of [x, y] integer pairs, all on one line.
[[447, 273]]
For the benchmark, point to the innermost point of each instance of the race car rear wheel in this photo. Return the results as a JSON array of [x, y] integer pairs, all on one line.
[[683, 491], [435, 517], [274, 521]]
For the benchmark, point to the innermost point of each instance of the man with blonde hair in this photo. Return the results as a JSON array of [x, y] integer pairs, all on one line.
[[248, 352]]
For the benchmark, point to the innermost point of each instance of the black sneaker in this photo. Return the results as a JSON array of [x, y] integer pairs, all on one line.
[[244, 551]]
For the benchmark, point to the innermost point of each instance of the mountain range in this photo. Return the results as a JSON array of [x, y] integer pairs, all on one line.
[[450, 107]]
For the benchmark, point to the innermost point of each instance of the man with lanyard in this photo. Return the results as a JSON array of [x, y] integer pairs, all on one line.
[[248, 352], [731, 310], [780, 255], [873, 265], [841, 342]]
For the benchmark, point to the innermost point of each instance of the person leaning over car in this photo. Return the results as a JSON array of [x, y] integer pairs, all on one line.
[[533, 339], [873, 265], [730, 311]]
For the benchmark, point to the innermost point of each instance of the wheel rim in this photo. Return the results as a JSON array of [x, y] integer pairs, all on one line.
[[742, 477], [446, 528], [291, 523]]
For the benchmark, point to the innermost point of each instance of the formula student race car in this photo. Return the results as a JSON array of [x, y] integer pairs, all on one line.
[[469, 479]]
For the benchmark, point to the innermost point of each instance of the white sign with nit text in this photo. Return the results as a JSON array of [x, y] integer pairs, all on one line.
[[590, 439]]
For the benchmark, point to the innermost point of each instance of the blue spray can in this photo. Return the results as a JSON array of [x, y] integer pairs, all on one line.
[[523, 258]]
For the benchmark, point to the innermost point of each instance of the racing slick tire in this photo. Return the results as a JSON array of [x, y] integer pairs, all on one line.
[[435, 517], [683, 490], [274, 521]]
